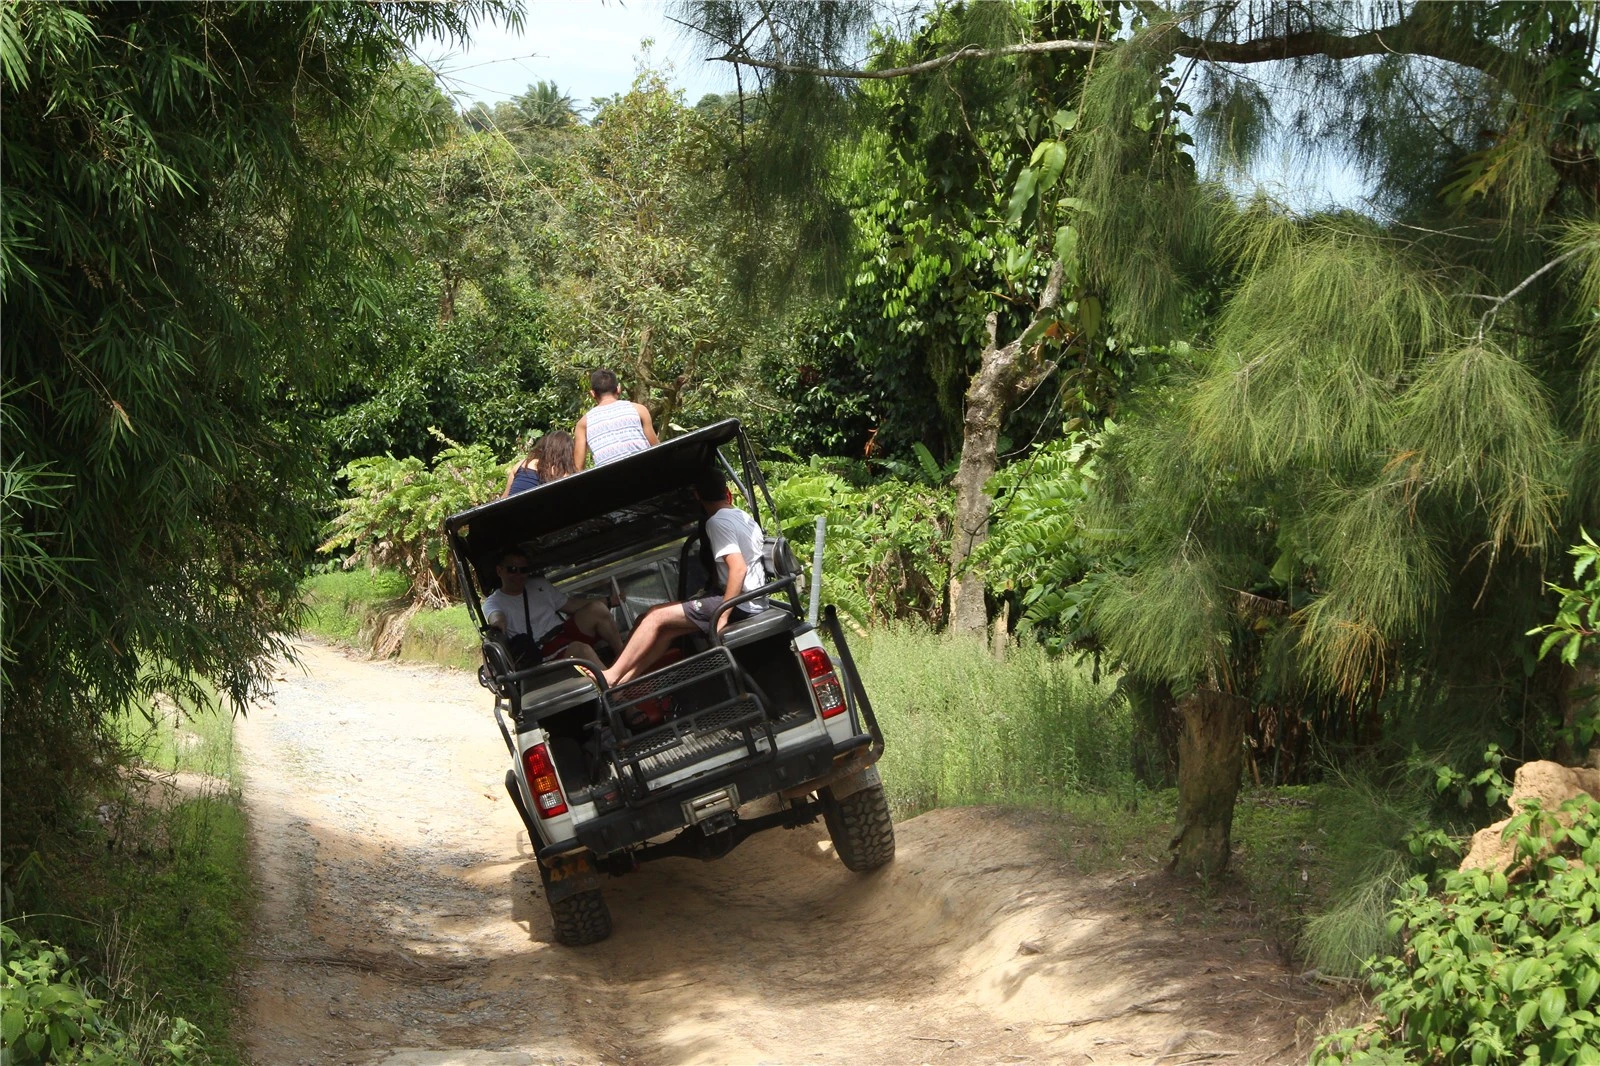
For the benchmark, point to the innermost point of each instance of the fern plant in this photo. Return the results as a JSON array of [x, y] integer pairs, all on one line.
[[1037, 548], [395, 512]]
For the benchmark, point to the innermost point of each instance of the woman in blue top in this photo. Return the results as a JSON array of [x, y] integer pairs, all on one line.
[[548, 459]]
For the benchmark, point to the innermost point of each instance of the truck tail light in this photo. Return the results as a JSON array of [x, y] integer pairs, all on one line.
[[547, 797], [824, 682]]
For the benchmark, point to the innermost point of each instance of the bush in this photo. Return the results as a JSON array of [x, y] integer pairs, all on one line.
[[1501, 965], [50, 1016], [888, 553], [394, 515]]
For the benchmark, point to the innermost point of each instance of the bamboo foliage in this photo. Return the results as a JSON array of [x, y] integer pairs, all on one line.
[[199, 202]]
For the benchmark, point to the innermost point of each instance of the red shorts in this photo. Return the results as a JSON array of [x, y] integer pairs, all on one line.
[[557, 639]]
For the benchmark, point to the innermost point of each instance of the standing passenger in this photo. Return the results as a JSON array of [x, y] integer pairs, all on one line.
[[613, 428]]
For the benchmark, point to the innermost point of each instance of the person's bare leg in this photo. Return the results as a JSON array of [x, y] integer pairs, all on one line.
[[651, 637], [594, 620], [578, 650]]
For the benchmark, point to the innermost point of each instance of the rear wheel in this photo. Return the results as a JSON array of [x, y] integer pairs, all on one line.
[[582, 918], [861, 828]]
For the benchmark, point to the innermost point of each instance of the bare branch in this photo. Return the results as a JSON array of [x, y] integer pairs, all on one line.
[[1500, 301], [1416, 34], [968, 52]]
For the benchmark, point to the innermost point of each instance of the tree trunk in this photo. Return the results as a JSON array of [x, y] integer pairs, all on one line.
[[1576, 695], [1210, 759], [1003, 372]]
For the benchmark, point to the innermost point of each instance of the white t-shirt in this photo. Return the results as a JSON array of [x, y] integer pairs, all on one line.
[[728, 531], [543, 601]]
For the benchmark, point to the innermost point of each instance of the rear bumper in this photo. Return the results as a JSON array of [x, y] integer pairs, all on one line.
[[633, 825]]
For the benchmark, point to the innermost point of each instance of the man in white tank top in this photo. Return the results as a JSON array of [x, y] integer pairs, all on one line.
[[613, 428]]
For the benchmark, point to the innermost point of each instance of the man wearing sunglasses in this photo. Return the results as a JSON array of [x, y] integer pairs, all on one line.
[[528, 610]]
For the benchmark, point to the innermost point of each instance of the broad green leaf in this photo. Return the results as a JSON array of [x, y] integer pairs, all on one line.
[[1552, 1004], [1027, 181]]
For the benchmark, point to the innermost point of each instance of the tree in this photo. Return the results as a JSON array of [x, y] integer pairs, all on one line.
[[1352, 491], [957, 222], [196, 208], [461, 349], [638, 284], [544, 106], [1346, 494]]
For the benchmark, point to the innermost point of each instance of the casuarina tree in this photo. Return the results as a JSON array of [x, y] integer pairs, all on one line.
[[1380, 426]]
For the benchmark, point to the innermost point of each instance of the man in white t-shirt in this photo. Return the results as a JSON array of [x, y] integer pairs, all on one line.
[[528, 610], [736, 542]]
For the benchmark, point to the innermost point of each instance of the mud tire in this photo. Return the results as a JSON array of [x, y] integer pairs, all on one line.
[[582, 918], [861, 828]]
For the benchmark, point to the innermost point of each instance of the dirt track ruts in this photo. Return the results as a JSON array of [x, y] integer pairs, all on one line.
[[399, 908]]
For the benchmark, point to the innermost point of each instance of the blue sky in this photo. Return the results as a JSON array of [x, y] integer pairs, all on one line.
[[586, 47]]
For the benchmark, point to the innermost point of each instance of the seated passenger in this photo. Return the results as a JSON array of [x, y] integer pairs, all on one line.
[[525, 475], [528, 609], [736, 542], [549, 459], [613, 428]]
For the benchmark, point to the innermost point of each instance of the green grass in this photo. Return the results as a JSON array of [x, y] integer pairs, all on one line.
[[340, 605], [150, 885], [346, 607], [445, 636], [962, 727], [1318, 863]]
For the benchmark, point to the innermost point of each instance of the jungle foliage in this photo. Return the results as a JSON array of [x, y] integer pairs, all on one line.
[[199, 204], [1295, 477]]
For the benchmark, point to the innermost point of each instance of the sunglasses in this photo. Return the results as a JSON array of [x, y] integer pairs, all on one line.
[[517, 569]]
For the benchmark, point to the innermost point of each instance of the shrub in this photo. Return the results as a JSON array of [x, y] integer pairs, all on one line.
[[394, 515], [50, 1016], [888, 553], [1501, 965]]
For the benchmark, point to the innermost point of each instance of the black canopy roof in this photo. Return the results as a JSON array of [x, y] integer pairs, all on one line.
[[603, 513]]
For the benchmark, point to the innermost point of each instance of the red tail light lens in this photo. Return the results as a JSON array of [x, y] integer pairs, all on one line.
[[817, 662], [542, 782], [824, 683]]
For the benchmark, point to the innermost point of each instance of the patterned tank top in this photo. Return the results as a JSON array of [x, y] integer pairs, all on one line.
[[615, 431]]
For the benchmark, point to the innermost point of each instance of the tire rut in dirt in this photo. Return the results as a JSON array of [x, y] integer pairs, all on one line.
[[861, 828]]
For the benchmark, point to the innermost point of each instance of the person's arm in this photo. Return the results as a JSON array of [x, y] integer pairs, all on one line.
[[736, 571], [649, 427], [580, 442], [510, 477]]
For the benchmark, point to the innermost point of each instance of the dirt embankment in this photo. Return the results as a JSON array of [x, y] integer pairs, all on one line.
[[400, 909]]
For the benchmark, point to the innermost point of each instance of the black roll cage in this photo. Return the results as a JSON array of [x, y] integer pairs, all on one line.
[[625, 494]]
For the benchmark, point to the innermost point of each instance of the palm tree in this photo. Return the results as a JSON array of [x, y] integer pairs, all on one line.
[[545, 106]]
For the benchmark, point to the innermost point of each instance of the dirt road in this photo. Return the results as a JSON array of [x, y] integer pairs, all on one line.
[[400, 909]]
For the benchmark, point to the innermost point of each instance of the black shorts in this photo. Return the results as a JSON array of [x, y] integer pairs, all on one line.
[[704, 610]]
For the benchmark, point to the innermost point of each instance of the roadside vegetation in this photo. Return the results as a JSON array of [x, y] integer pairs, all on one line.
[[1183, 508], [125, 926]]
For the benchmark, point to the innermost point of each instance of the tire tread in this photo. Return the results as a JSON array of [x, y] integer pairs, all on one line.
[[861, 828]]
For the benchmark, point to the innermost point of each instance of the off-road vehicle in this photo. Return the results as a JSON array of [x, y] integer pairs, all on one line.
[[755, 728]]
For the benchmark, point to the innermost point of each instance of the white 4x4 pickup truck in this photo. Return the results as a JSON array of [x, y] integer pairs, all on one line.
[[670, 763]]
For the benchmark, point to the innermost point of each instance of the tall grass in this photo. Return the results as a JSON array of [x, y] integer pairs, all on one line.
[[963, 727], [350, 606]]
